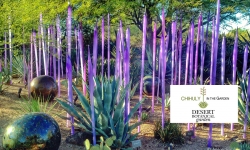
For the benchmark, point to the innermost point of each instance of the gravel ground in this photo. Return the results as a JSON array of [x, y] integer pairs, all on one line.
[[10, 102]]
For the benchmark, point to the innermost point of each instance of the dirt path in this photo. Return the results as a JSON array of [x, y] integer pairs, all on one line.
[[10, 104]]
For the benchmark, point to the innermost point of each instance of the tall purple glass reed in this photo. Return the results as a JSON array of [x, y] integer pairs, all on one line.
[[43, 47], [80, 42], [24, 62], [39, 51], [77, 51], [59, 54], [70, 92], [35, 49], [121, 52], [202, 55], [69, 30], [126, 73], [54, 50], [223, 54], [173, 51], [117, 61], [91, 91], [245, 61], [108, 47], [191, 53], [235, 54], [180, 51], [5, 51], [103, 34], [95, 44], [187, 56], [212, 53], [50, 50], [31, 57], [142, 63], [154, 51], [197, 49], [163, 67], [10, 50]]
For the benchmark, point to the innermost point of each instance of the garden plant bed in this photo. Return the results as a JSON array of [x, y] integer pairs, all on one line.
[[10, 104]]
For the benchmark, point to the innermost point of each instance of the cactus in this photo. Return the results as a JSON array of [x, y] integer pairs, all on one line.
[[109, 112], [104, 145]]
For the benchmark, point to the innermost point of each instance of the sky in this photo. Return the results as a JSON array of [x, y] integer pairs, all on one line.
[[241, 23]]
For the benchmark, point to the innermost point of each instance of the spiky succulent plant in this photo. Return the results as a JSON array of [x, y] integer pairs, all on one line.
[[109, 112], [242, 98]]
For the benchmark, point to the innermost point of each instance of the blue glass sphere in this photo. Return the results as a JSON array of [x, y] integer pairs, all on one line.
[[32, 131], [148, 84]]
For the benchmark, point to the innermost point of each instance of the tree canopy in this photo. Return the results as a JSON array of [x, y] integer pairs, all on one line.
[[23, 15]]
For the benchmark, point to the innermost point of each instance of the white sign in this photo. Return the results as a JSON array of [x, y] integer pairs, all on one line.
[[204, 104]]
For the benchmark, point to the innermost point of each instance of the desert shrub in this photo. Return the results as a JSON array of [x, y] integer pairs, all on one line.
[[36, 104], [144, 116], [172, 133]]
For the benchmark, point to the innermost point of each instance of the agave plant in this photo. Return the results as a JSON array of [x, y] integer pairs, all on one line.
[[109, 112], [242, 98]]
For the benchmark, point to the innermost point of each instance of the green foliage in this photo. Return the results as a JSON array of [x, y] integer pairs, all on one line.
[[105, 66], [239, 146], [18, 66], [144, 116], [104, 145], [6, 76], [149, 68], [108, 112], [167, 101], [36, 104], [242, 98], [77, 77], [172, 133], [1, 83]]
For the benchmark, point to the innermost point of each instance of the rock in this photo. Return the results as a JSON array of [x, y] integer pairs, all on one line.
[[233, 138], [32, 131], [189, 142], [44, 86], [79, 137]]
